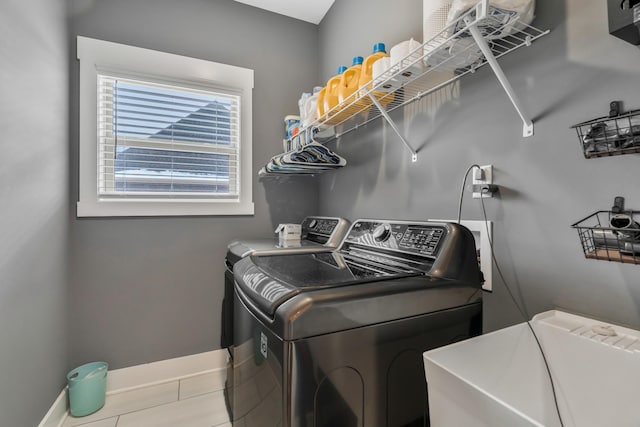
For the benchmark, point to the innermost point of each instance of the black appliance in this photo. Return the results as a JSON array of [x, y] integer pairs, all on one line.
[[318, 234], [336, 339], [624, 20]]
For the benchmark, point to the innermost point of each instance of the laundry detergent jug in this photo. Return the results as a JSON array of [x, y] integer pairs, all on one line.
[[350, 80], [331, 94], [366, 74]]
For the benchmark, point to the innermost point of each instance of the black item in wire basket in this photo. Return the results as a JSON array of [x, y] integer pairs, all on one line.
[[611, 236], [611, 135]]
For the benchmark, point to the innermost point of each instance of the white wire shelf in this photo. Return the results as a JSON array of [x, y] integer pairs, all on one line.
[[478, 37]]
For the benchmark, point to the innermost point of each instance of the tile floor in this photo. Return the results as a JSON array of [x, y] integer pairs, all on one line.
[[196, 401]]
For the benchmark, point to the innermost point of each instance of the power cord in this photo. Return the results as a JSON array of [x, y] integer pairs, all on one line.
[[521, 310], [464, 183]]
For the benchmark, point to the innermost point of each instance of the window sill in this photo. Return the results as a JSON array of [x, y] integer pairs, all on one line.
[[121, 208]]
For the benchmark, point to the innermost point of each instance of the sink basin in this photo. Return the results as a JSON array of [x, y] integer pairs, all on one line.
[[500, 380]]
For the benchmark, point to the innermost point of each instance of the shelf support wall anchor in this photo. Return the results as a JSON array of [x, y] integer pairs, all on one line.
[[527, 128], [414, 155]]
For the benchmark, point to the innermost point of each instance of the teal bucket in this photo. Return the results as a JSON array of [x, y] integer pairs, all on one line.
[[87, 388]]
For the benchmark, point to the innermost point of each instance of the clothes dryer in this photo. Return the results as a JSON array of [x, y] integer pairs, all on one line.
[[318, 234]]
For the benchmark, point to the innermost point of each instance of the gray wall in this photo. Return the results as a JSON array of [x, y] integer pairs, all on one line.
[[33, 207], [139, 290], [566, 77], [147, 289]]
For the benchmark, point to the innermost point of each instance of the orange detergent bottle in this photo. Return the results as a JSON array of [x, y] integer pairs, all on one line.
[[350, 81], [349, 84], [325, 96], [366, 74], [331, 95], [320, 104]]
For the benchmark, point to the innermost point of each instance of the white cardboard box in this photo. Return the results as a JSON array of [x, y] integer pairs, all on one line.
[[289, 232]]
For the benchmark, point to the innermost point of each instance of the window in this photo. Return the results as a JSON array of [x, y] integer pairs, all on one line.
[[162, 134]]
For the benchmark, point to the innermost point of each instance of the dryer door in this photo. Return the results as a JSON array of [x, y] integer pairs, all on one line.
[[258, 370]]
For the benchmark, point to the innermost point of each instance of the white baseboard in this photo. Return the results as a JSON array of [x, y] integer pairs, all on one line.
[[57, 413], [148, 374], [119, 380]]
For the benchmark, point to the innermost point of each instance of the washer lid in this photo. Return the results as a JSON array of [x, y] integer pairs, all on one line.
[[319, 234], [326, 270], [269, 281], [242, 249]]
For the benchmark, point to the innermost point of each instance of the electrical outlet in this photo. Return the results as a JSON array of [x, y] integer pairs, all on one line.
[[486, 177]]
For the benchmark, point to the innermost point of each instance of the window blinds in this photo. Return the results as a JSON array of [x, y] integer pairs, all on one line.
[[165, 141]]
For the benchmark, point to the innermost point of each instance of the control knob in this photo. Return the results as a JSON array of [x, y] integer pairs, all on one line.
[[313, 223], [382, 233]]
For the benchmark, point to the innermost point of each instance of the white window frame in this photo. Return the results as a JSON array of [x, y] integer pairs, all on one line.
[[95, 55]]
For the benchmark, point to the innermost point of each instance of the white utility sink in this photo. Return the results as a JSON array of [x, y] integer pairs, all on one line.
[[499, 379]]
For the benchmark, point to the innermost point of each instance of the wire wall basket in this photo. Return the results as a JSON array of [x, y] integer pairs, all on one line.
[[610, 136], [610, 236]]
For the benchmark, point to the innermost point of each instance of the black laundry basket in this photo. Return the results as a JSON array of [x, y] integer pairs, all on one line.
[[610, 236]]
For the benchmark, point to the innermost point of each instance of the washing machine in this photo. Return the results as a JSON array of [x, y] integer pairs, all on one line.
[[336, 338], [318, 234]]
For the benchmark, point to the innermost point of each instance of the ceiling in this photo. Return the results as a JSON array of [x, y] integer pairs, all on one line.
[[307, 10]]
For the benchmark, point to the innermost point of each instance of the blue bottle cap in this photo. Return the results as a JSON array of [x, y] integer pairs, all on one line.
[[342, 69], [357, 60], [379, 47]]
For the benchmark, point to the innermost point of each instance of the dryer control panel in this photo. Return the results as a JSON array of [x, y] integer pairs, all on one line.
[[324, 230]]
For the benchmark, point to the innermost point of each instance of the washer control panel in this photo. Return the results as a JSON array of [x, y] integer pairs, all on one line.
[[414, 238]]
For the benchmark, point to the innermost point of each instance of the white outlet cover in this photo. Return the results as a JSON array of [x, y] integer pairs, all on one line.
[[488, 179]]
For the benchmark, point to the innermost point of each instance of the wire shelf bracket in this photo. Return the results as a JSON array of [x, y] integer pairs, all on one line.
[[527, 123], [414, 155]]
